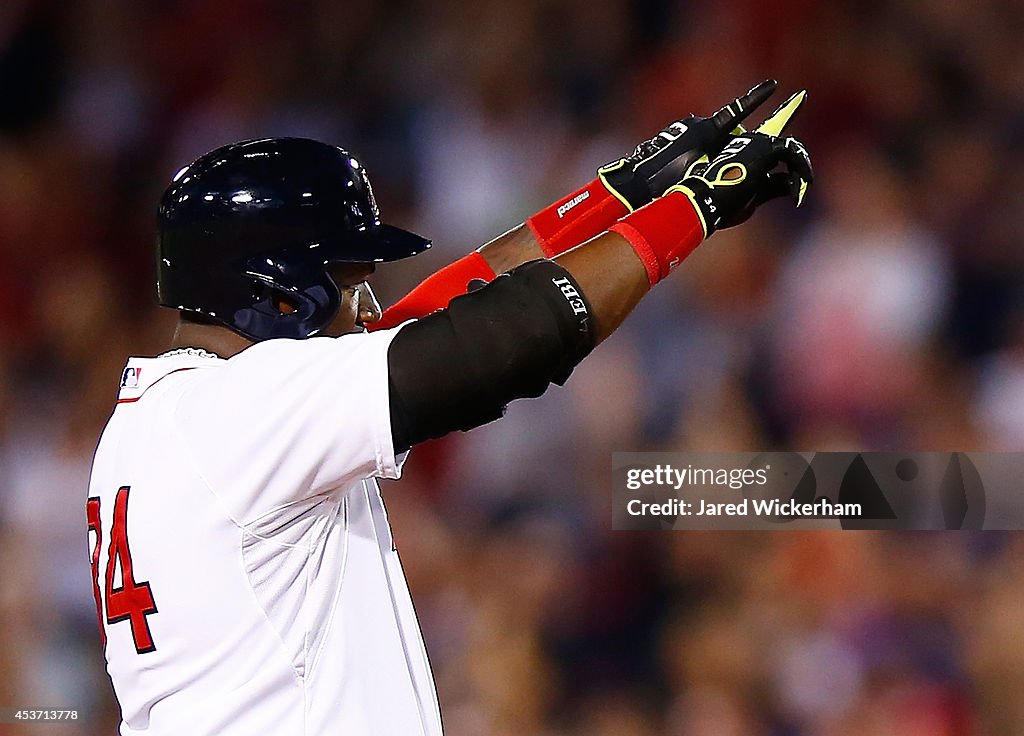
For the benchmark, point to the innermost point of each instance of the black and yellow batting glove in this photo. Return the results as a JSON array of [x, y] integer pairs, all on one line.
[[775, 124], [664, 160], [745, 175]]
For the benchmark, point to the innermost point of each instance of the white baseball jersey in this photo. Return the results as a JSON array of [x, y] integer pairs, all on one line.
[[243, 564]]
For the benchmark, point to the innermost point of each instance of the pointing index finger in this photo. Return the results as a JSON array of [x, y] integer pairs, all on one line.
[[735, 112], [775, 123]]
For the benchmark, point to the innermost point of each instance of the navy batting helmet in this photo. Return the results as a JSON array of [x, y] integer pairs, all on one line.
[[254, 223]]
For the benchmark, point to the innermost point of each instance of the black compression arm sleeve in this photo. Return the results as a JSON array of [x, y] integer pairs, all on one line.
[[458, 368]]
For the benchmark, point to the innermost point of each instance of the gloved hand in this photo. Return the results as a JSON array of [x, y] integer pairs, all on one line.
[[743, 177], [774, 124], [662, 161]]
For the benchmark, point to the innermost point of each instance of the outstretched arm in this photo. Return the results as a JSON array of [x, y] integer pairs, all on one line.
[[459, 367], [620, 188]]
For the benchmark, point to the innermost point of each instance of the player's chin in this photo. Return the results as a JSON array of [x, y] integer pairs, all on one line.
[[338, 332], [344, 323], [340, 327]]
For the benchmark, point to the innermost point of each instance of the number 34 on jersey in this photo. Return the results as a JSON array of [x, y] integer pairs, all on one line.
[[123, 598]]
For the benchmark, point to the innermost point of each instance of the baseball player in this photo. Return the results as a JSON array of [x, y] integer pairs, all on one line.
[[243, 568]]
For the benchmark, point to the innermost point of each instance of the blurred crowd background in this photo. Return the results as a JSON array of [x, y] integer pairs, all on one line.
[[886, 315]]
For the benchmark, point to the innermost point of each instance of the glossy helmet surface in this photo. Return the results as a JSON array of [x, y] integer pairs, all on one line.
[[254, 223]]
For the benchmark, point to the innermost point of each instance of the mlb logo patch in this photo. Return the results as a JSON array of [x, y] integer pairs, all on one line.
[[130, 377]]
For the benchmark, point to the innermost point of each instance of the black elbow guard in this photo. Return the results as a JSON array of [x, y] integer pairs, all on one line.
[[459, 368]]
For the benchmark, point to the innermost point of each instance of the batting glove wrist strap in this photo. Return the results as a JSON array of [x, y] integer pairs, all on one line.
[[663, 233]]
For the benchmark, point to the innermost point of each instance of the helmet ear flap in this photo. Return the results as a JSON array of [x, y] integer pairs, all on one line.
[[285, 306], [293, 313], [283, 302]]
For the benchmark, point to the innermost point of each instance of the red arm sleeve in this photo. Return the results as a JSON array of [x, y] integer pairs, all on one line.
[[572, 220], [436, 291], [576, 218]]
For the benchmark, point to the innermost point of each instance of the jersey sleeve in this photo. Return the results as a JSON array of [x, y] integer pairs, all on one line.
[[286, 420]]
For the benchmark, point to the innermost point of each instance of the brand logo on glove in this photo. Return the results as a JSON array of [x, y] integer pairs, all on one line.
[[678, 125], [736, 145]]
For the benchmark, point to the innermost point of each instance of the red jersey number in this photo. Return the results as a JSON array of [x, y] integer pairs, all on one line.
[[130, 601], [92, 513]]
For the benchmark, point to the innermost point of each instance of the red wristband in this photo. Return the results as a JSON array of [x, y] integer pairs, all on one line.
[[436, 291], [663, 233], [575, 219]]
